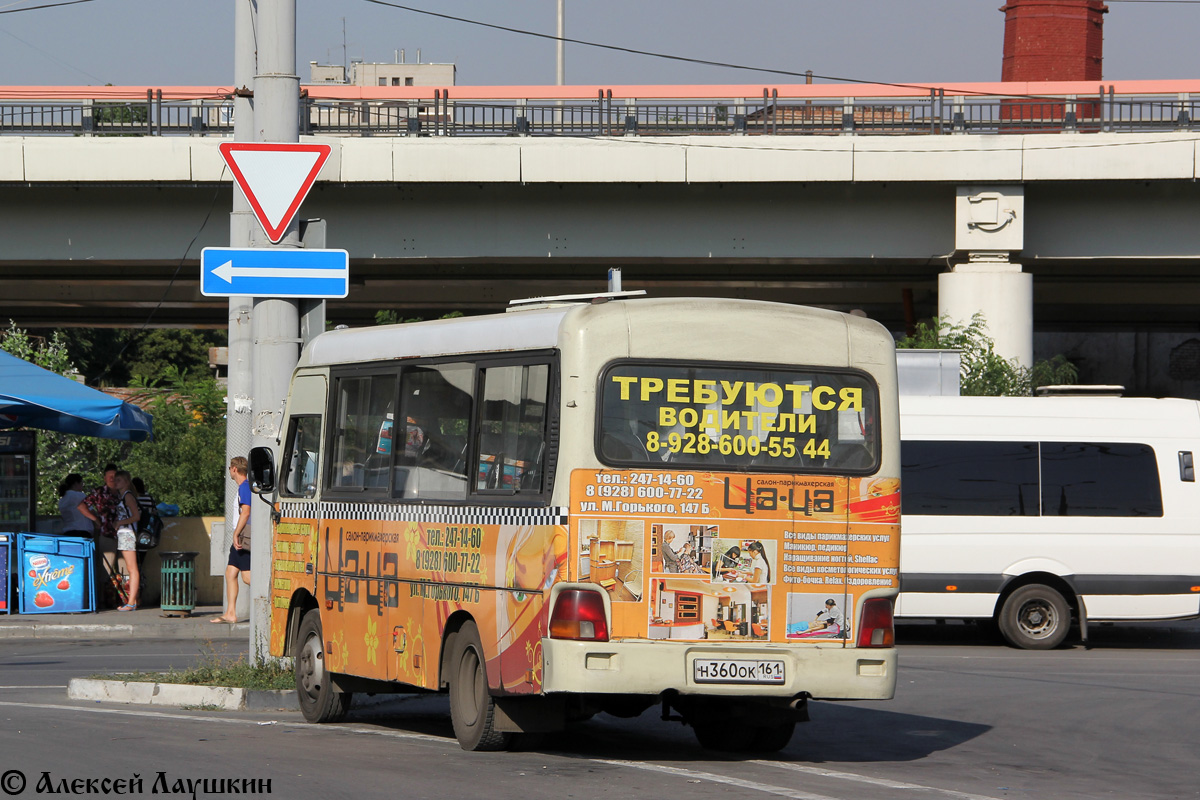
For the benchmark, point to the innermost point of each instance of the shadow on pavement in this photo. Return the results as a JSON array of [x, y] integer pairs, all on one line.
[[1164, 635], [838, 733]]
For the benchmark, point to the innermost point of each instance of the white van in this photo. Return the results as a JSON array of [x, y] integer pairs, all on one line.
[[1034, 510]]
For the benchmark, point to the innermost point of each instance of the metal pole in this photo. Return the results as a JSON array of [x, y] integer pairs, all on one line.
[[241, 224], [276, 322], [561, 73]]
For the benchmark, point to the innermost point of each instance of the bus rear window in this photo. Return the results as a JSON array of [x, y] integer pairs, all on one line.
[[749, 418]]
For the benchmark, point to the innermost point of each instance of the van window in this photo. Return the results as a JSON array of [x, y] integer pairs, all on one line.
[[1100, 480], [435, 419], [362, 432], [512, 430], [969, 478]]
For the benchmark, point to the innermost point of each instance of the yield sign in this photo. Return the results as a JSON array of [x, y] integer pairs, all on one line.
[[275, 178]]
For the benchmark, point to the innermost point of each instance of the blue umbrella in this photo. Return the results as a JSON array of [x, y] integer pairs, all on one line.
[[38, 398]]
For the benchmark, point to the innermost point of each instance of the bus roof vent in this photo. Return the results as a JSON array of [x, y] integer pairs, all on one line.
[[1096, 390], [530, 303]]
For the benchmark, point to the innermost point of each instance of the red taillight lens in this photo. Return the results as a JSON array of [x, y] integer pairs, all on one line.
[[877, 629], [579, 614]]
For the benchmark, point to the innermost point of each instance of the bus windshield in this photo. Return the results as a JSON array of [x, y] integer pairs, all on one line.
[[766, 418]]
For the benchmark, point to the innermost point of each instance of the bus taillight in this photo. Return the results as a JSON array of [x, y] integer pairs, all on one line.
[[877, 629], [579, 614]]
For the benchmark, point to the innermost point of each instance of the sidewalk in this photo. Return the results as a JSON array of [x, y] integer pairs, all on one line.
[[145, 623]]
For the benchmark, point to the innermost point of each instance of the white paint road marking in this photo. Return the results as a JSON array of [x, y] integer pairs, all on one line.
[[850, 776], [781, 791], [227, 720]]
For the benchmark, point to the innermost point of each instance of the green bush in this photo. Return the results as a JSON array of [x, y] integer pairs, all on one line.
[[982, 370]]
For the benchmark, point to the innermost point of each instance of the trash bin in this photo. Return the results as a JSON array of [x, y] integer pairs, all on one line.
[[178, 584]]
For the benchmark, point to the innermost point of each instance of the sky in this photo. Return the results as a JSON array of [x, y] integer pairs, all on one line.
[[190, 42]]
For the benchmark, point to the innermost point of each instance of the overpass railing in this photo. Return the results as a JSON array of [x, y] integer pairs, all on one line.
[[1139, 106]]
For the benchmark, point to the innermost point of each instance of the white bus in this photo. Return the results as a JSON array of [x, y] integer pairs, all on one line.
[[593, 506], [1034, 511]]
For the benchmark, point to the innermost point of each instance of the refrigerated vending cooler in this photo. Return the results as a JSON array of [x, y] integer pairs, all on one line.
[[18, 494]]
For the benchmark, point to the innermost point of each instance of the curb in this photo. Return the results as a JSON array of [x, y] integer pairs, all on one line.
[[166, 630], [180, 695]]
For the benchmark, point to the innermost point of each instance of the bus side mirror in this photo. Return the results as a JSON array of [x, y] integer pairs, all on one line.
[[262, 470]]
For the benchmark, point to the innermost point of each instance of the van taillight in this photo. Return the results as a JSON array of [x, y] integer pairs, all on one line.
[[877, 629], [579, 614]]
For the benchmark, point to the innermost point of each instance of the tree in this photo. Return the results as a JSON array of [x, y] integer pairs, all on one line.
[[983, 371], [184, 465], [390, 316], [112, 356]]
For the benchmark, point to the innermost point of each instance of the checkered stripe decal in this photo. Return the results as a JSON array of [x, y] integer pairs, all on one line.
[[441, 515]]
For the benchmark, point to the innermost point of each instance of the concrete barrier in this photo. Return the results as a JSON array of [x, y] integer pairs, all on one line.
[[181, 695]]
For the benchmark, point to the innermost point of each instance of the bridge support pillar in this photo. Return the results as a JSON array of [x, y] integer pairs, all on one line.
[[994, 286]]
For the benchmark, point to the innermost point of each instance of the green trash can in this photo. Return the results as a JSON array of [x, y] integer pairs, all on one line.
[[178, 584]]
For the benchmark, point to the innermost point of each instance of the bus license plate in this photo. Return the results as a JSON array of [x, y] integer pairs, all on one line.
[[723, 670]]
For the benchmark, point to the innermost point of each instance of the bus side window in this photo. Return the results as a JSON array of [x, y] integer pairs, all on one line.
[[430, 433], [301, 461], [361, 448], [512, 430]]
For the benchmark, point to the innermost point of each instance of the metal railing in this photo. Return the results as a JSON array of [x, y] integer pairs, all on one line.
[[934, 114]]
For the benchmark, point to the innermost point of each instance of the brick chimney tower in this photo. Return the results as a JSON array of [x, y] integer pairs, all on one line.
[[1053, 40]]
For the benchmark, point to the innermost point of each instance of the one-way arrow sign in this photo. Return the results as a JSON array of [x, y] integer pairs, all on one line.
[[227, 272]]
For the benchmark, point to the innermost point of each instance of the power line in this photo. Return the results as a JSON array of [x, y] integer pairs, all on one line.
[[52, 57], [171, 282], [47, 5], [687, 59]]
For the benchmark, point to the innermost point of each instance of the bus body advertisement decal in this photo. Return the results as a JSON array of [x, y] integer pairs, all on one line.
[[729, 556], [387, 587]]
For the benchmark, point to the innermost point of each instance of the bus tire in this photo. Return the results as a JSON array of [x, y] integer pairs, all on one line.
[[472, 709], [1035, 617], [319, 701]]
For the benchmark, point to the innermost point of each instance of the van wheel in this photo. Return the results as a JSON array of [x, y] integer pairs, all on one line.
[[472, 709], [1035, 617], [319, 701]]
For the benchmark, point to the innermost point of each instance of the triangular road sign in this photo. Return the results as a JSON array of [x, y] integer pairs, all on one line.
[[275, 178]]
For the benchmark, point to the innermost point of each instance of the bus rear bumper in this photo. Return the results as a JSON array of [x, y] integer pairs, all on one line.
[[832, 672]]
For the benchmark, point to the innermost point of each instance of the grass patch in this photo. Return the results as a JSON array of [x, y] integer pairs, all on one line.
[[217, 669]]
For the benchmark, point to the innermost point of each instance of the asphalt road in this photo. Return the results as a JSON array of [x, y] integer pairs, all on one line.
[[971, 719]]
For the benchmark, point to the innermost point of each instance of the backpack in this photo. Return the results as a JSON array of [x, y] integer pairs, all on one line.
[[150, 524]]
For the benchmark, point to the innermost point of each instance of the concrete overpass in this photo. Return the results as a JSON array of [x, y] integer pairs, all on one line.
[[1083, 196]]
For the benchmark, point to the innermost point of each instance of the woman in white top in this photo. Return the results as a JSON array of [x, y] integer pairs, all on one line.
[[77, 520], [760, 570]]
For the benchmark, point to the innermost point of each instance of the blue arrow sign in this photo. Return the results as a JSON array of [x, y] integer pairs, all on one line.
[[270, 272]]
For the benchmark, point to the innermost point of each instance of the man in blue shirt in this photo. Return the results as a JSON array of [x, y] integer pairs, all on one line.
[[239, 550]]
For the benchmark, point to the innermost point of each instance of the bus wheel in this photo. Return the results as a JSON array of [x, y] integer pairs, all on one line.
[[1035, 617], [472, 709], [319, 701]]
